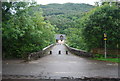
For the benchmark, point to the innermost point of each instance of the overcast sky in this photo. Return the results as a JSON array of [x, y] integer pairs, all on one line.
[[66, 1]]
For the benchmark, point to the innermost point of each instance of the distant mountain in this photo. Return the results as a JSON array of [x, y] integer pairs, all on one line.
[[64, 15], [67, 8]]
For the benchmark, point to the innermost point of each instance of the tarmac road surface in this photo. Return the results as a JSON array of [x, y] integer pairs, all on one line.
[[56, 66]]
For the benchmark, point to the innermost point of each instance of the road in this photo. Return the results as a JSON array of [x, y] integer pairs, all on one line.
[[58, 66]]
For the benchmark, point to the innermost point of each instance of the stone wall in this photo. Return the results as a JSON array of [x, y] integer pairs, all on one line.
[[79, 52], [39, 54]]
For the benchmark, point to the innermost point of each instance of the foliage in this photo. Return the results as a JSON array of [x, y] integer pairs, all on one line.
[[103, 19], [88, 31], [64, 16], [24, 33], [27, 29], [108, 56], [75, 39], [108, 59], [9, 8]]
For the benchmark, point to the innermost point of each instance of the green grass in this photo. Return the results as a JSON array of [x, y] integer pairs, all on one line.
[[109, 58]]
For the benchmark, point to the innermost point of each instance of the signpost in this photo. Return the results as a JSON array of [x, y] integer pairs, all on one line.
[[105, 39]]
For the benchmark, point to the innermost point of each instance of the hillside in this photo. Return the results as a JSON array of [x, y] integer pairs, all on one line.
[[64, 16]]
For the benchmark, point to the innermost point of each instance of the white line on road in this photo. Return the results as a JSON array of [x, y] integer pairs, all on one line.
[[112, 64], [33, 62], [73, 62]]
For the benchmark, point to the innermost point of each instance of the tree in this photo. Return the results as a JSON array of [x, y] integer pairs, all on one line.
[[24, 33], [103, 19], [75, 39], [64, 16]]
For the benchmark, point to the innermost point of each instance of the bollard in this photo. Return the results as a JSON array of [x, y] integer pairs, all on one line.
[[59, 52], [66, 52], [50, 52]]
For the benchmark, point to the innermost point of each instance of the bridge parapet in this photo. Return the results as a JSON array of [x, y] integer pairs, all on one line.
[[79, 52], [41, 53]]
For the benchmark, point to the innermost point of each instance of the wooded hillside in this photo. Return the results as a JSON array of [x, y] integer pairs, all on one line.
[[64, 16]]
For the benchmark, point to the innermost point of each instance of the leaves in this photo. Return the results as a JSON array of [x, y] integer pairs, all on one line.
[[101, 19], [25, 33]]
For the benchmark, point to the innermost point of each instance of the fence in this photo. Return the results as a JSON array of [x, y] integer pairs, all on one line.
[[109, 51]]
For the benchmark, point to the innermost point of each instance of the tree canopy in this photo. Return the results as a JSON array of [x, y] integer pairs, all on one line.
[[93, 25], [64, 16], [24, 33], [28, 27], [103, 19]]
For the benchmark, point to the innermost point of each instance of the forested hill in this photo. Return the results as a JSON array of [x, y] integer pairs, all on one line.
[[63, 16], [67, 8]]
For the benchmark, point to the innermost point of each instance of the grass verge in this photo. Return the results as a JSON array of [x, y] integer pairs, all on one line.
[[109, 58]]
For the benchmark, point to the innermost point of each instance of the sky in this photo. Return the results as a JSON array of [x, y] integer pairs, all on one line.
[[44, 2]]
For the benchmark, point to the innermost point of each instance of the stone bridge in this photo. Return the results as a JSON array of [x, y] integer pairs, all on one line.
[[61, 66]]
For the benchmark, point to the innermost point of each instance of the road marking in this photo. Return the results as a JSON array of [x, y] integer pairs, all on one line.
[[33, 62], [62, 72], [73, 62], [66, 72], [109, 64], [116, 64], [112, 64], [89, 63]]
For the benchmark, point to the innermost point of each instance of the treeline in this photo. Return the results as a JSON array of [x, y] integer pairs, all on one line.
[[85, 24], [28, 27], [24, 30], [91, 27], [64, 16]]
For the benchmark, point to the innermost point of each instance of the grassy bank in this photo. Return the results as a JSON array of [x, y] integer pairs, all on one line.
[[110, 58]]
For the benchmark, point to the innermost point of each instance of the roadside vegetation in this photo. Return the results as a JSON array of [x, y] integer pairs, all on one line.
[[85, 24], [110, 58], [92, 26], [28, 27], [24, 30]]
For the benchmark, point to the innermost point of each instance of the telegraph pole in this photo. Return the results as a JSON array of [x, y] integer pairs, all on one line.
[[105, 39]]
